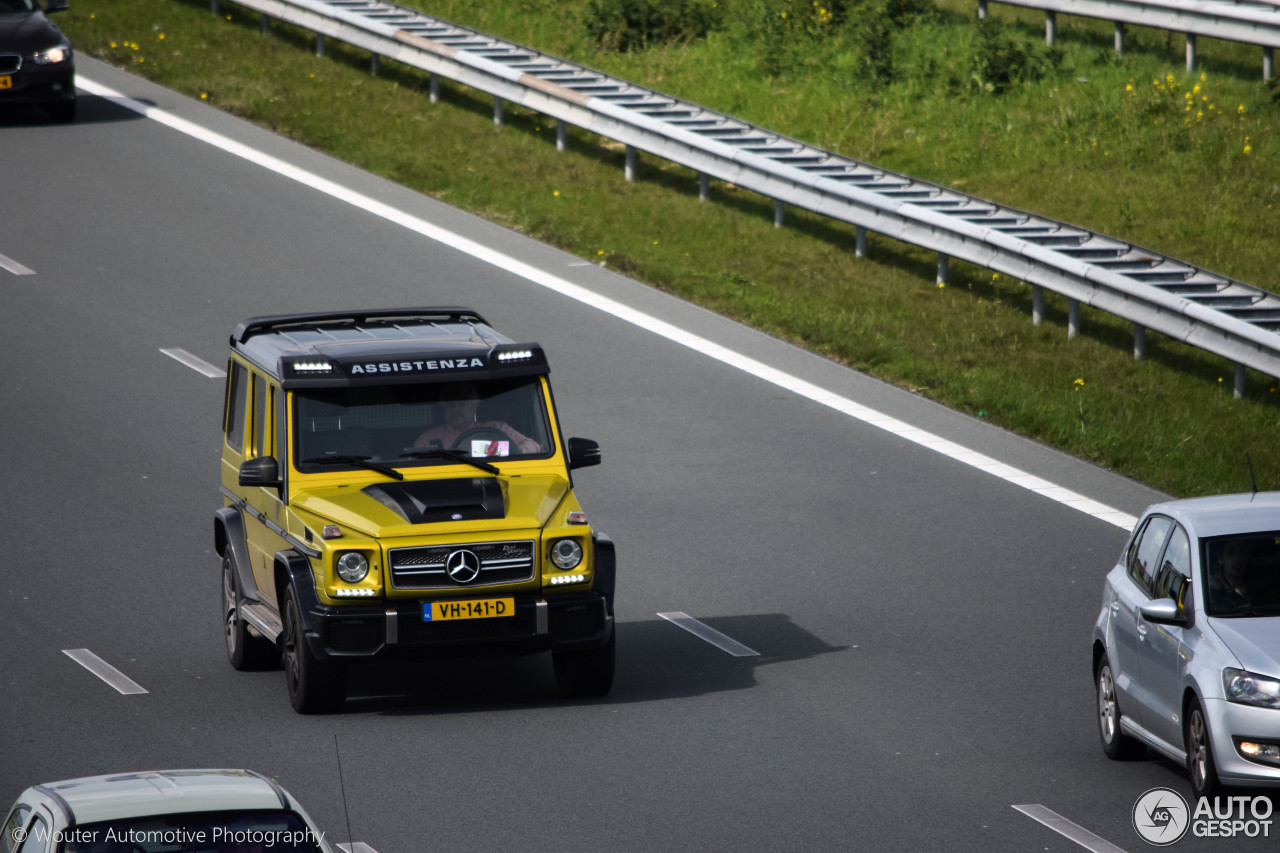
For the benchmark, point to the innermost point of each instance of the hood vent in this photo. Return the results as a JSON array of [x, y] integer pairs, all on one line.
[[430, 501]]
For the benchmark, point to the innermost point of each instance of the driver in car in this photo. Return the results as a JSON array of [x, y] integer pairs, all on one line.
[[460, 418]]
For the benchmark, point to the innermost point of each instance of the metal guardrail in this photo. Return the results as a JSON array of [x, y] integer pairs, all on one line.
[[1256, 22], [1207, 310]]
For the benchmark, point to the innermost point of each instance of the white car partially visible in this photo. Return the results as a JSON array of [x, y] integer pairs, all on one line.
[[174, 811]]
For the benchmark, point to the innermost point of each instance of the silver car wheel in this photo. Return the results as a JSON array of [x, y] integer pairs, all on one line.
[[1199, 749], [229, 609], [1106, 704]]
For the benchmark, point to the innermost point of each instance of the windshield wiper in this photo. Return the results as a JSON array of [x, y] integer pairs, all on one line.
[[362, 461], [452, 455]]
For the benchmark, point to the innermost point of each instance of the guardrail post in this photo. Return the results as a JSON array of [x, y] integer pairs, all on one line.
[[375, 62], [1037, 305], [1268, 63], [1119, 38], [1139, 342], [562, 135], [1191, 52], [264, 26], [704, 186], [944, 266], [497, 110], [1073, 318], [1050, 27], [860, 242], [319, 44], [982, 10], [779, 213], [630, 167], [433, 87], [1238, 385]]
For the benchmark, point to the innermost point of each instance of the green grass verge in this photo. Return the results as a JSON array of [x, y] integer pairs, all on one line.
[[1103, 142]]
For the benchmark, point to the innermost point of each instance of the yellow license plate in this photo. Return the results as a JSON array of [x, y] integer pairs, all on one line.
[[6, 82], [486, 608]]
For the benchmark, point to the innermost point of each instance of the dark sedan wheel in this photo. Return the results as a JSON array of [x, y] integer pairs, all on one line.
[[1115, 743], [586, 673]]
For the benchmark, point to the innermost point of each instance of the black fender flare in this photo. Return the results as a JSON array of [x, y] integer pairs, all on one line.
[[229, 537], [606, 567], [294, 569]]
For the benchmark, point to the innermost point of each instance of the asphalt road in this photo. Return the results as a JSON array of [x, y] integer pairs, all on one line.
[[922, 626]]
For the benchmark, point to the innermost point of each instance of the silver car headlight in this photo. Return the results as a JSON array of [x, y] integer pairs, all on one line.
[[566, 553], [52, 55], [1248, 688], [352, 567]]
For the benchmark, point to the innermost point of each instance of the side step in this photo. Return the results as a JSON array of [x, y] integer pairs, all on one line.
[[263, 619]]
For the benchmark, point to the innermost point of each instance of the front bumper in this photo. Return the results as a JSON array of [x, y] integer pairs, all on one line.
[[569, 621], [1228, 720], [40, 84]]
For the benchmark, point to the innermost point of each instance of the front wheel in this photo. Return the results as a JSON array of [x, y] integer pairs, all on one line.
[[586, 673], [1204, 778], [315, 686], [1115, 743]]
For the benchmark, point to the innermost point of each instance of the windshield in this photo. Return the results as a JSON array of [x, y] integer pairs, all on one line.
[[402, 425], [204, 832], [1242, 575]]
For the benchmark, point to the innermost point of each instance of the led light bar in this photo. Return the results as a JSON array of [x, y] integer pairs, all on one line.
[[355, 593], [515, 355], [563, 579], [312, 366]]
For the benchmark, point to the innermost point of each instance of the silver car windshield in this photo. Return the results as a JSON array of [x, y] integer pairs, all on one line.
[[401, 425], [1242, 575]]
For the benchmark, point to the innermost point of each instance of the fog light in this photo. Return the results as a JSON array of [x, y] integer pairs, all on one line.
[[1268, 753]]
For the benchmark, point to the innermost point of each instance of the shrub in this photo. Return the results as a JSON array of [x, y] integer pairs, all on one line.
[[623, 25]]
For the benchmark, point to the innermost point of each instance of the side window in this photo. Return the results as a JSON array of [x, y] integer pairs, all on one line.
[[17, 821], [259, 415], [237, 394], [1143, 566], [1175, 569], [37, 840]]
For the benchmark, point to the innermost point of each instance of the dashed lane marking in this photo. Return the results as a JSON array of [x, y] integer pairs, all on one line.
[[105, 671], [1067, 829], [196, 364], [711, 635]]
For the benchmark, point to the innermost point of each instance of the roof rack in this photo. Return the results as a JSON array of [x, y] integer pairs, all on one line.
[[259, 325]]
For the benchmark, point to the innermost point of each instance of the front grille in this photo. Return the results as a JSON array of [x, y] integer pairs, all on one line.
[[9, 63], [424, 568]]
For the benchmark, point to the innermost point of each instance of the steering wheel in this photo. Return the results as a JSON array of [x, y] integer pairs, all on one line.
[[484, 433]]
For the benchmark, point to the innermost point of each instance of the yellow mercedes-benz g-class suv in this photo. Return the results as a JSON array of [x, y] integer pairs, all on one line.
[[395, 481]]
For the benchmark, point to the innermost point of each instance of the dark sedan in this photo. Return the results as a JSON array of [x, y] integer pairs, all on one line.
[[36, 62]]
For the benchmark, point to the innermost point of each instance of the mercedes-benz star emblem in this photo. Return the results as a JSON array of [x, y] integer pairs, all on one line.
[[462, 566]]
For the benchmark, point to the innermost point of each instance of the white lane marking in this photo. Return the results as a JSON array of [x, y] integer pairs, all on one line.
[[616, 309], [356, 847], [14, 267], [711, 635], [1066, 828], [196, 364], [105, 671]]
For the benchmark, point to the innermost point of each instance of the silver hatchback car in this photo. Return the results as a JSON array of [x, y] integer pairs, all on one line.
[[1186, 649]]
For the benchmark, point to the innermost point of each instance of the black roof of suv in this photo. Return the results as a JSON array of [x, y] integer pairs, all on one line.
[[382, 346]]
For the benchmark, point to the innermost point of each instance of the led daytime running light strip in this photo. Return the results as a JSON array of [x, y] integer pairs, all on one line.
[[515, 355], [556, 581], [354, 593], [312, 366]]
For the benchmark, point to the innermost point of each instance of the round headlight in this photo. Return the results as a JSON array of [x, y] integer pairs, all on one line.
[[566, 553], [352, 567]]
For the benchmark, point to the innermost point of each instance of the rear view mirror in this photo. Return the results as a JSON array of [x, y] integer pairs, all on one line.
[[1162, 611], [263, 471], [583, 453]]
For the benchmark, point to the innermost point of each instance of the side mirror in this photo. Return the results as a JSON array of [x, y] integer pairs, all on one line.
[[583, 453], [55, 5], [263, 471], [1162, 611]]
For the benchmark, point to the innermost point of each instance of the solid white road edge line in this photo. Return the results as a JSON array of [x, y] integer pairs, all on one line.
[[196, 364], [14, 267], [672, 333], [1067, 829], [105, 671], [711, 635]]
